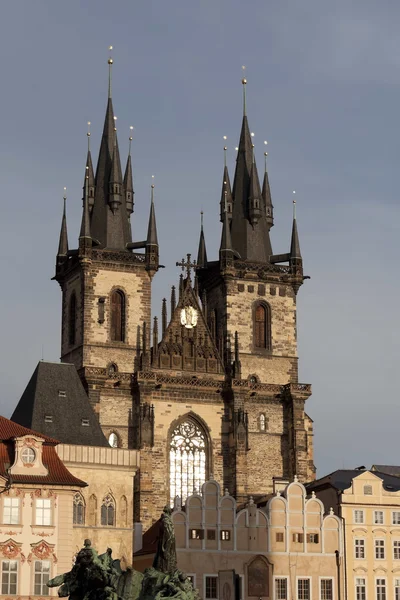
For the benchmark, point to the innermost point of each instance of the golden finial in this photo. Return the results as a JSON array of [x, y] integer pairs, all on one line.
[[152, 182], [244, 81], [110, 63], [201, 218], [225, 149], [88, 135], [265, 156], [115, 123], [65, 193], [236, 148], [294, 204], [130, 139]]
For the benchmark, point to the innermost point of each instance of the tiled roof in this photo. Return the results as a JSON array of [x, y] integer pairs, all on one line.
[[342, 478], [388, 469], [56, 392], [58, 473]]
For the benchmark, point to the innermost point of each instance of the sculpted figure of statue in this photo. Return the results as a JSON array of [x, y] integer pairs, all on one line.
[[165, 558]]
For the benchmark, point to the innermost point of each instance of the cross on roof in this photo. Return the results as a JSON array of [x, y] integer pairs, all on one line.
[[187, 265]]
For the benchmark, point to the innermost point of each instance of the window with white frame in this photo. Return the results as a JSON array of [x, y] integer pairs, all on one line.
[[396, 517], [28, 455], [9, 577], [396, 549], [211, 585], [11, 511], [358, 516], [397, 589], [359, 548], [303, 589], [42, 576], [326, 589], [380, 549], [361, 589], [43, 511], [378, 517], [281, 588], [381, 589]]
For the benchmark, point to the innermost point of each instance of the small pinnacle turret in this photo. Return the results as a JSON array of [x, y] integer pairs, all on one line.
[[226, 251], [266, 195], [128, 181], [63, 241], [202, 253], [152, 238], [115, 182], [91, 185], [295, 244], [85, 239], [255, 199]]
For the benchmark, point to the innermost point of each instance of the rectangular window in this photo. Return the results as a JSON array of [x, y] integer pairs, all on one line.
[[85, 422], [359, 548], [303, 589], [9, 577], [298, 538], [211, 534], [11, 511], [197, 534], [43, 511], [360, 589], [211, 587], [396, 549], [380, 549], [395, 517], [225, 535], [48, 419], [378, 517], [381, 589], [281, 588], [358, 516], [312, 538], [62, 394], [279, 536], [326, 589], [397, 589], [42, 576]]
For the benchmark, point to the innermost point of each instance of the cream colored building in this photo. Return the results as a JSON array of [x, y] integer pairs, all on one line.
[[36, 511], [369, 505], [287, 549]]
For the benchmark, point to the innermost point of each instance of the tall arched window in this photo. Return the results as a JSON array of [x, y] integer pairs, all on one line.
[[108, 511], [72, 320], [187, 459], [262, 327], [263, 424], [117, 316], [79, 510]]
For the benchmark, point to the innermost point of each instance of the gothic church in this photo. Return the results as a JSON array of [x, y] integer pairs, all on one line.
[[213, 388]]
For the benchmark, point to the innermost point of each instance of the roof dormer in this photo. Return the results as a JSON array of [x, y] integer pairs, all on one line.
[[28, 456]]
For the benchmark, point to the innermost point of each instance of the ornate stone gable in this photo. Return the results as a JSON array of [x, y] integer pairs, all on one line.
[[187, 343]]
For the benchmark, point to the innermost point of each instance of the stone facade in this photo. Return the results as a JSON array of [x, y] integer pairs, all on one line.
[[281, 544]]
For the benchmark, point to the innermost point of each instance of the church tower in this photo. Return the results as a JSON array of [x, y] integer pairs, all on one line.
[[106, 283], [209, 390]]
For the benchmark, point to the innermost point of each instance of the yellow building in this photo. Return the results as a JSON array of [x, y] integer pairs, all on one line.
[[287, 549], [36, 511], [369, 506]]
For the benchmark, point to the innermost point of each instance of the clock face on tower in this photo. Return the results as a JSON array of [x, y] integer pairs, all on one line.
[[189, 317]]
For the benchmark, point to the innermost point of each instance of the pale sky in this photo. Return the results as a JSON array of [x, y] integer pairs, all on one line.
[[323, 89]]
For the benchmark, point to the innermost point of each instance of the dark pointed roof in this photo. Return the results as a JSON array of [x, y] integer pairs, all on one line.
[[202, 252], [56, 391], [295, 244], [152, 239], [85, 223], [116, 171], [342, 480], [226, 193], [254, 190], [89, 170], [266, 195], [226, 240], [63, 242], [128, 179]]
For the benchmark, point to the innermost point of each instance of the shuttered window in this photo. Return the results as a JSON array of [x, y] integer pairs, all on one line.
[[117, 316]]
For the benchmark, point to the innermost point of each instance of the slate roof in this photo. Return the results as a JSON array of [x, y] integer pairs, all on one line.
[[342, 478], [41, 399], [58, 473], [388, 469]]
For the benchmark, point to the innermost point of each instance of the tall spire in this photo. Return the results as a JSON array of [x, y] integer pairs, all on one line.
[[266, 194], [152, 238], [226, 192], [115, 183], [63, 242], [128, 180], [295, 244], [90, 173], [110, 64], [202, 253], [85, 240], [249, 228]]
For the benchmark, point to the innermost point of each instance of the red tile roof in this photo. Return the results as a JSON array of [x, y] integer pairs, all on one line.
[[10, 430], [58, 473]]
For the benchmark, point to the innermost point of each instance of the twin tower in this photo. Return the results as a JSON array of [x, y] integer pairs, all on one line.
[[210, 391]]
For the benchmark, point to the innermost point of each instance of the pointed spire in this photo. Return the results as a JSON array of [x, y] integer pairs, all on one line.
[[295, 244], [152, 228], [244, 83], [266, 194], [63, 242], [164, 315], [255, 198], [226, 192], [85, 223], [173, 301], [110, 64], [202, 253], [128, 179], [90, 173], [155, 337], [226, 241]]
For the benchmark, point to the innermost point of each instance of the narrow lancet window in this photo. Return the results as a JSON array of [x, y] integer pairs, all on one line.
[[262, 327], [187, 460], [117, 316]]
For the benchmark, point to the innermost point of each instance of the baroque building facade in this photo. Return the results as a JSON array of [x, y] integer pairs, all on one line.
[[212, 387]]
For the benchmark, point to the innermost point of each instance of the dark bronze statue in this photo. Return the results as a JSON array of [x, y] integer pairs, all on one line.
[[165, 558]]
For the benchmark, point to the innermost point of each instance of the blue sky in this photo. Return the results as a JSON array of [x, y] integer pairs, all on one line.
[[323, 89]]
